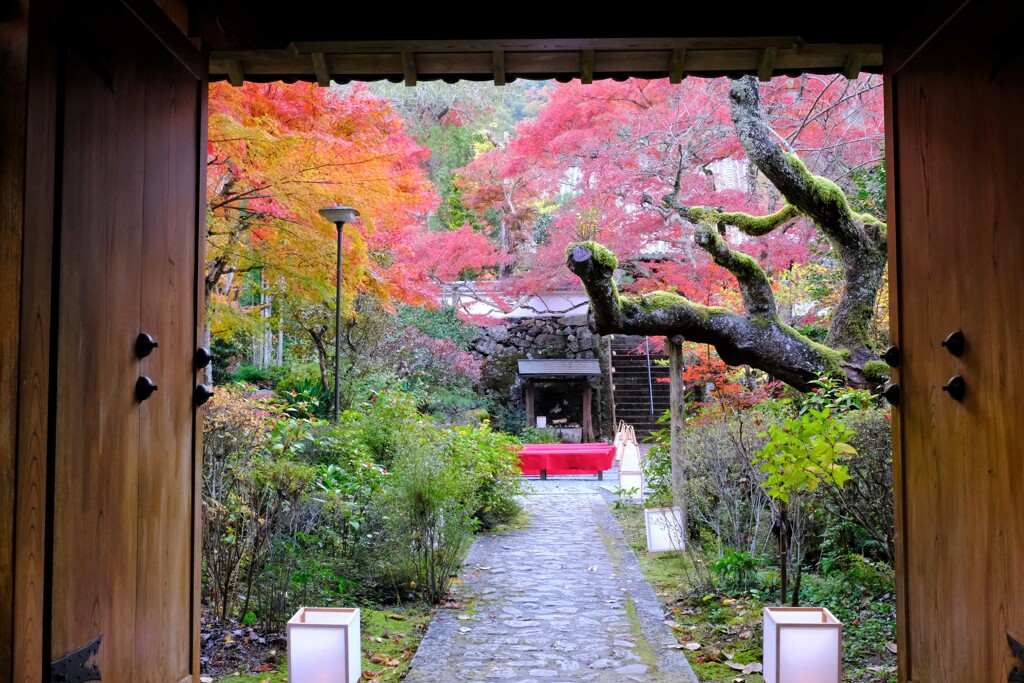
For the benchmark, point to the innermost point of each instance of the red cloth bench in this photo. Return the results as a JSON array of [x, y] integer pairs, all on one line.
[[566, 458]]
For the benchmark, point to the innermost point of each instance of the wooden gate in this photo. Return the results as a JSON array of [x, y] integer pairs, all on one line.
[[124, 466], [956, 266]]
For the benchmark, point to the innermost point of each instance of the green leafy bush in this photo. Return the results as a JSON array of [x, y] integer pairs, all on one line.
[[307, 398], [299, 374], [386, 420], [736, 570], [657, 470], [539, 435], [429, 503], [378, 505], [723, 486], [491, 462], [264, 378]]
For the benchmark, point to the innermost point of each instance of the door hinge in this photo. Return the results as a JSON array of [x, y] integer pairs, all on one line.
[[71, 668], [1016, 674]]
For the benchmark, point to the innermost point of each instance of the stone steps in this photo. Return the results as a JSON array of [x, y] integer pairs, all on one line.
[[634, 383]]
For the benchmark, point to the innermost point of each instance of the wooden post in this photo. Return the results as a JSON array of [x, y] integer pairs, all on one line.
[[677, 411], [531, 420], [587, 422]]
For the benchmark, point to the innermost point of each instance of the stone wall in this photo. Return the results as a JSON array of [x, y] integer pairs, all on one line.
[[501, 346]]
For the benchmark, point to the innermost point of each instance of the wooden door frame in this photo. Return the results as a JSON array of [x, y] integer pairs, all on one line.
[[29, 115]]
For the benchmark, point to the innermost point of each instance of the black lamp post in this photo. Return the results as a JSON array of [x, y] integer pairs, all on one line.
[[339, 215]]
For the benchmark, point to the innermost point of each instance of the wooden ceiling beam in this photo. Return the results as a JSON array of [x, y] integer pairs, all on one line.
[[544, 45], [323, 74], [502, 65]]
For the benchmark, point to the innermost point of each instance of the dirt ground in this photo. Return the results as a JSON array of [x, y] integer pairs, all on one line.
[[227, 646]]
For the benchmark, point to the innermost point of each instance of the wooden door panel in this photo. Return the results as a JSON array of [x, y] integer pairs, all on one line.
[[97, 418], [166, 503], [124, 489], [960, 232]]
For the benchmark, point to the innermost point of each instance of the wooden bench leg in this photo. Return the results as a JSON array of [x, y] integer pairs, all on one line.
[[543, 474], [600, 475]]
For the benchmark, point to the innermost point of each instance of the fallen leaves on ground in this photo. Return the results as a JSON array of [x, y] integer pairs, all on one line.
[[386, 660]]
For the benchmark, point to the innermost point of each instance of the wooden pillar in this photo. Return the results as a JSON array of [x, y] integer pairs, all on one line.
[[588, 422], [677, 410], [13, 91], [28, 111], [531, 419]]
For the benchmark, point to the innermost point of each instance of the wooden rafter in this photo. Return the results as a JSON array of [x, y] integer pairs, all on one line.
[[499, 67], [505, 60], [236, 75], [587, 67], [323, 74], [409, 68], [853, 63], [766, 64], [677, 65]]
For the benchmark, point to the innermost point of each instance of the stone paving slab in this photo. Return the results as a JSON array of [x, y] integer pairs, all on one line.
[[559, 601]]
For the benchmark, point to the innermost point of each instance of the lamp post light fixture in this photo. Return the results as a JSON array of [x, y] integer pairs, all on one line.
[[339, 215]]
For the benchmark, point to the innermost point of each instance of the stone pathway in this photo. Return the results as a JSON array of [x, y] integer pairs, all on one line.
[[559, 601]]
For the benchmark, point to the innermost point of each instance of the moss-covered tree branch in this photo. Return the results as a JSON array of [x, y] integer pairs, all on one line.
[[858, 240], [755, 287], [757, 336], [755, 226], [761, 341]]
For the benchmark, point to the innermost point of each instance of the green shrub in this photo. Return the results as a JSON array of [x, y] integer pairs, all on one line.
[[264, 378], [723, 487], [736, 569], [539, 435], [727, 501], [867, 499], [307, 398], [225, 352], [300, 374], [491, 462], [378, 505], [429, 502], [388, 419]]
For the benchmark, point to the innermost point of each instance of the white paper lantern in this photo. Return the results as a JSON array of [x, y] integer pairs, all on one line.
[[323, 645], [664, 529], [630, 457], [619, 440], [631, 481], [802, 645]]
